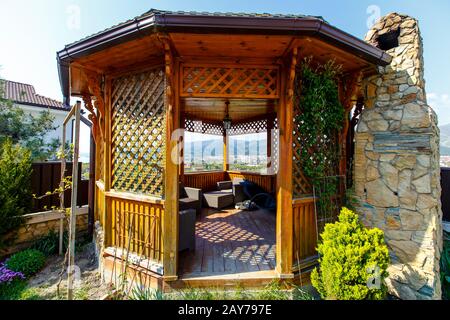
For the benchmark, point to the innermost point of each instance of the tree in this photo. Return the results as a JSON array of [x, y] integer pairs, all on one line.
[[15, 188], [29, 131]]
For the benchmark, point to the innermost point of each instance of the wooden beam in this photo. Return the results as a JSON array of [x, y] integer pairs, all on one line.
[[170, 218], [284, 231]]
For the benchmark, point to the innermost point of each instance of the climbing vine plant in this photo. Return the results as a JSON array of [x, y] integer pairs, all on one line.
[[318, 121]]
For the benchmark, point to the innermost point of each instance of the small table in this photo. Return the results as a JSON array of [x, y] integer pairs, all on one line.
[[218, 199]]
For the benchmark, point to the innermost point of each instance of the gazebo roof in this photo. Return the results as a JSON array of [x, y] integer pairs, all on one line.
[[177, 23]]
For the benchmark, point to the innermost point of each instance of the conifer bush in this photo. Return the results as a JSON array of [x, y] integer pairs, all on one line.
[[353, 261], [15, 189]]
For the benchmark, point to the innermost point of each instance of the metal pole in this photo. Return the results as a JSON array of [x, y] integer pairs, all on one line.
[[73, 207]]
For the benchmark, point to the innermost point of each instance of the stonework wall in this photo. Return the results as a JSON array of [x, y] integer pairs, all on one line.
[[38, 225], [397, 162]]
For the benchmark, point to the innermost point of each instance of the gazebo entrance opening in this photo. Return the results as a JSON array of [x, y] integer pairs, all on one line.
[[230, 156]]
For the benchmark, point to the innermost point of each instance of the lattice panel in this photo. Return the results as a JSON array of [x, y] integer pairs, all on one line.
[[301, 184], [100, 161], [238, 81], [203, 127], [248, 127], [139, 133], [275, 146]]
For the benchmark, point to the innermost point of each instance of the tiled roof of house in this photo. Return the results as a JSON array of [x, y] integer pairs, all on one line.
[[26, 94]]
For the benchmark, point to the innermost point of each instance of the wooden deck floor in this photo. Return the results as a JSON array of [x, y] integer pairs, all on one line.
[[230, 242]]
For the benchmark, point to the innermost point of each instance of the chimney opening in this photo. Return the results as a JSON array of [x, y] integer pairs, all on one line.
[[388, 40]]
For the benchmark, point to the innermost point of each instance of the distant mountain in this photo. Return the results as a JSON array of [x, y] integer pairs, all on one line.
[[214, 148], [445, 140]]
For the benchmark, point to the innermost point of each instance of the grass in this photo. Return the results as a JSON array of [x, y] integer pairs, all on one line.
[[273, 291]]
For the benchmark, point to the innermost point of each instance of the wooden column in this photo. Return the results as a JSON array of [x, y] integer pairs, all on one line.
[[182, 143], [107, 161], [170, 219], [284, 227], [226, 165]]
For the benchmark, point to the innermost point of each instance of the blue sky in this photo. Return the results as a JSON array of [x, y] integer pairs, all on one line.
[[32, 31]]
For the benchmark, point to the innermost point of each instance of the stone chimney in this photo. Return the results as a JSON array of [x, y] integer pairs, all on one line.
[[397, 173]]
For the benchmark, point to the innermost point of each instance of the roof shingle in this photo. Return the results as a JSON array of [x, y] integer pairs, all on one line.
[[26, 94], [153, 12]]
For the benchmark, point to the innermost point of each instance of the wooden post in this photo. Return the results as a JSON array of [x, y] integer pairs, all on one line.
[[182, 145], [284, 227], [170, 219], [73, 207], [226, 165], [61, 195], [107, 163]]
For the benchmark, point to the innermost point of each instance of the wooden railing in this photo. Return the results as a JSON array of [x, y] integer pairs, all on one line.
[[135, 226], [207, 181], [304, 233], [267, 182], [99, 211]]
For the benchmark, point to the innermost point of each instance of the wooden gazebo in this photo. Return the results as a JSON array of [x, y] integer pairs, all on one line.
[[162, 71]]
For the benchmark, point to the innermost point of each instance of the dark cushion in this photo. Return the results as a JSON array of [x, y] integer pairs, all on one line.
[[187, 203], [224, 185], [182, 191]]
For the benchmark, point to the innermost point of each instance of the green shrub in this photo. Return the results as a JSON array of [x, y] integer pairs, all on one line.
[[49, 244], [15, 189], [12, 290], [28, 262], [349, 254]]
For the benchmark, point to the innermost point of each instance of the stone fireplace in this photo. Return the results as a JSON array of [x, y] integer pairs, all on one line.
[[397, 161]]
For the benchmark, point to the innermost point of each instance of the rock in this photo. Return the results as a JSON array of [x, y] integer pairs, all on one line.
[[392, 219], [378, 194], [387, 157], [420, 171], [411, 220], [372, 155], [398, 234], [405, 162], [415, 116], [405, 250], [378, 125], [423, 184], [415, 277], [403, 87], [408, 199], [410, 23], [372, 173], [389, 175], [393, 114], [424, 160], [426, 201], [404, 180], [410, 90]]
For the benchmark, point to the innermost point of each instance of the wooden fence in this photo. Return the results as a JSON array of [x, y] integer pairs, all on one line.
[[445, 196], [46, 177]]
